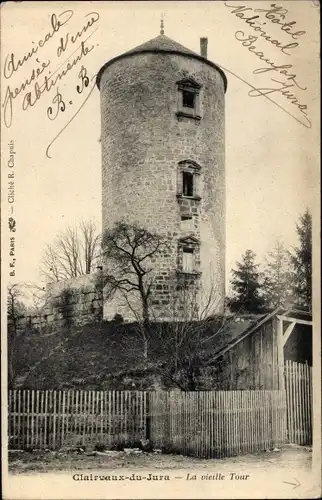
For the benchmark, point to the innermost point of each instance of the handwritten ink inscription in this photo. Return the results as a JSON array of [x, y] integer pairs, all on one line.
[[283, 78], [46, 74]]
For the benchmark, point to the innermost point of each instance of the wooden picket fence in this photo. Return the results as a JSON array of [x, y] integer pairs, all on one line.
[[203, 424], [54, 419], [218, 424], [298, 385]]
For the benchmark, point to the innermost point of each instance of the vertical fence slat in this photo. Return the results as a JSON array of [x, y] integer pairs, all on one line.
[[107, 401], [302, 404], [28, 419], [93, 417], [23, 421], [54, 420], [62, 409], [70, 430], [11, 419], [49, 419], [42, 420], [292, 435], [59, 419], [309, 396], [234, 421], [304, 394], [287, 389], [88, 413], [297, 390], [86, 403], [101, 415], [292, 402], [81, 417], [112, 413], [19, 440], [304, 419], [309, 388], [74, 411], [46, 440], [13, 406], [69, 410], [251, 406], [36, 421], [300, 383]]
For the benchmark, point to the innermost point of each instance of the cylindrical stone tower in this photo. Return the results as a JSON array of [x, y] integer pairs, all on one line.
[[163, 162]]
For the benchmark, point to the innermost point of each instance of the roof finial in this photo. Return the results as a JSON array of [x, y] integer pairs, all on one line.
[[162, 26]]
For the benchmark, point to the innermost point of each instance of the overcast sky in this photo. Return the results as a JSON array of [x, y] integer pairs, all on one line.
[[271, 159]]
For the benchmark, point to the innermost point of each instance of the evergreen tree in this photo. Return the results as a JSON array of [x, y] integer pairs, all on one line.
[[246, 286], [277, 277], [301, 260]]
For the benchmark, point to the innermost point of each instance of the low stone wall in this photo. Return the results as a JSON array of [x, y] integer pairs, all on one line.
[[75, 302]]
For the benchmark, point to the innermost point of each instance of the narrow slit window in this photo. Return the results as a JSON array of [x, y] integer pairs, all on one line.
[[188, 99], [187, 260], [187, 184]]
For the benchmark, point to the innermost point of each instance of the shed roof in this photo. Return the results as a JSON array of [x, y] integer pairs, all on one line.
[[235, 332], [235, 329]]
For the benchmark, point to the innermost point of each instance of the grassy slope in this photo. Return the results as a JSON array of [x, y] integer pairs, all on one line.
[[95, 356]]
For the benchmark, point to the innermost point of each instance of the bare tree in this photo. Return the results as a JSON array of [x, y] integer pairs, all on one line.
[[39, 299], [181, 343], [129, 252], [186, 339], [176, 346], [74, 252], [15, 311]]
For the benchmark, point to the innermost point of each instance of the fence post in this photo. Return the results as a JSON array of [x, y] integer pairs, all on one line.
[[148, 417], [280, 354]]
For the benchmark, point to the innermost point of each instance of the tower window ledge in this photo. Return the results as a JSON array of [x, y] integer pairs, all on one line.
[[181, 272], [181, 196], [181, 115]]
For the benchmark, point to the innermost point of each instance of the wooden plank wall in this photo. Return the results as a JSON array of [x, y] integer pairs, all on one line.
[[249, 365], [298, 386], [52, 419], [218, 424]]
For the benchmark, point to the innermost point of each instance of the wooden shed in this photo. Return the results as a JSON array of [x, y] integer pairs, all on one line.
[[254, 358]]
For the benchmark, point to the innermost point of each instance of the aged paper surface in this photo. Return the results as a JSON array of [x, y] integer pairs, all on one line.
[[51, 166]]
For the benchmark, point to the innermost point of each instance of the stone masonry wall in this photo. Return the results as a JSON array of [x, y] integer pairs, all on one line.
[[76, 301], [143, 140], [73, 302]]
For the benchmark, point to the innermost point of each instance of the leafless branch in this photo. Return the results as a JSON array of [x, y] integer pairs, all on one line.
[[128, 251], [74, 252]]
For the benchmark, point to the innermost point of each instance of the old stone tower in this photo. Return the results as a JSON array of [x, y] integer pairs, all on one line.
[[163, 163]]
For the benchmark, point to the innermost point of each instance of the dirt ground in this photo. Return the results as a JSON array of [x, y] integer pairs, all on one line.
[[20, 462]]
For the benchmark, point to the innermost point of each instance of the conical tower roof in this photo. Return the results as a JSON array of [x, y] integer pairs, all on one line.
[[161, 43]]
